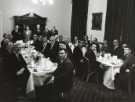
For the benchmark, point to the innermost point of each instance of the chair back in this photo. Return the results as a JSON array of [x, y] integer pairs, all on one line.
[[131, 82]]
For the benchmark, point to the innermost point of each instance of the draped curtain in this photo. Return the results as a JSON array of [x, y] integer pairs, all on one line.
[[131, 23], [116, 20], [120, 21], [79, 18]]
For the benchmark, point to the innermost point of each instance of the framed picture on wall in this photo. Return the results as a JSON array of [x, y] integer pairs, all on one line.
[[97, 21]]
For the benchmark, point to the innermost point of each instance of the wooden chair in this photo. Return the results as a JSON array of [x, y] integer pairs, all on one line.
[[90, 75], [131, 82], [96, 74]]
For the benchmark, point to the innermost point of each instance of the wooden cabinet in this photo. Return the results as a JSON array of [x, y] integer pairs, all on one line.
[[31, 21]]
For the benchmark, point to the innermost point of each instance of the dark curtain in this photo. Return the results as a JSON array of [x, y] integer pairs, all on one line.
[[120, 21], [116, 20], [131, 23], [79, 18]]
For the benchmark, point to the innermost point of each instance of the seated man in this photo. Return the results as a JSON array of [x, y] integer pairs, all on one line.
[[45, 46], [64, 74], [37, 43], [20, 66], [60, 83], [94, 65], [53, 49], [13, 73], [80, 61], [121, 79], [117, 49]]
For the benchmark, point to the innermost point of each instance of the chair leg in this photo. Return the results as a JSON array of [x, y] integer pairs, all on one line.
[[129, 90], [88, 76], [87, 79], [66, 97]]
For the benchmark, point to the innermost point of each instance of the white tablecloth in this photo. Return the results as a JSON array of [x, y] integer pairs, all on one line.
[[109, 76], [112, 67], [39, 70], [38, 76], [36, 79]]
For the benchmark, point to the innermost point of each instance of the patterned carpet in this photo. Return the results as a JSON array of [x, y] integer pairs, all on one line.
[[90, 92]]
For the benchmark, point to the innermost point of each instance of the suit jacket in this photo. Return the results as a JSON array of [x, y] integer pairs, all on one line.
[[70, 53], [45, 50], [7, 79], [63, 76], [53, 51], [38, 45], [93, 64], [118, 52], [10, 65], [17, 36], [127, 72], [77, 55], [127, 63]]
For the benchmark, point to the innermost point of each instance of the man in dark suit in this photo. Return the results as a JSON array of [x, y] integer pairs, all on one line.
[[7, 77], [45, 46], [17, 34], [22, 74], [117, 49], [12, 63], [127, 71], [77, 57], [53, 49], [64, 73], [62, 77], [37, 43], [81, 61]]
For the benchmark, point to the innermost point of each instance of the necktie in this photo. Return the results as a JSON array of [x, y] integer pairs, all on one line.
[[44, 46]]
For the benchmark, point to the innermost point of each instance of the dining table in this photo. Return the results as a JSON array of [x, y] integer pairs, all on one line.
[[112, 65], [40, 68]]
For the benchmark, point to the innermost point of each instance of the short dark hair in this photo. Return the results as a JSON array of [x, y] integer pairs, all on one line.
[[62, 46], [62, 49]]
